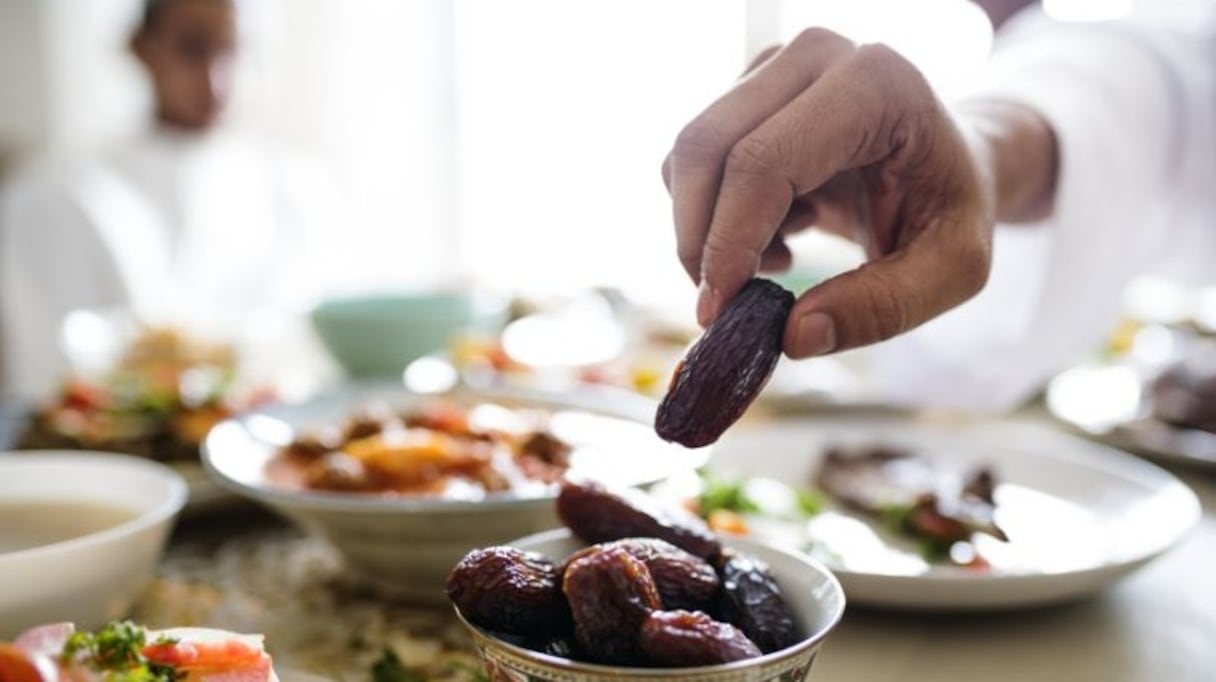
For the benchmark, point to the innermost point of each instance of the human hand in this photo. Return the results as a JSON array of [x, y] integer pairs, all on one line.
[[851, 140]]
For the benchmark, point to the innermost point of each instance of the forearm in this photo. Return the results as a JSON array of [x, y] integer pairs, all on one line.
[[1015, 148]]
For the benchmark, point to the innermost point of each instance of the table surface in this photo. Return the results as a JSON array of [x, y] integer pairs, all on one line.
[[1156, 626]]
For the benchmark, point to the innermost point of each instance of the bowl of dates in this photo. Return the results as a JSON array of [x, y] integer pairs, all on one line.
[[634, 590]]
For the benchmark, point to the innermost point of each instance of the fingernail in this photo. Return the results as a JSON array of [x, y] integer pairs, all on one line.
[[815, 335], [707, 303]]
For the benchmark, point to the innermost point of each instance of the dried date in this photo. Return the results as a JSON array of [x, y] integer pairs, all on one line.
[[727, 367], [678, 639], [611, 594], [503, 588], [685, 581], [596, 514], [752, 601]]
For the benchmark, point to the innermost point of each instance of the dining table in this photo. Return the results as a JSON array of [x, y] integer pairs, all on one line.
[[243, 568]]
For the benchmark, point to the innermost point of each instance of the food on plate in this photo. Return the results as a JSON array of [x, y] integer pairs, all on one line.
[[912, 495], [158, 401], [125, 652], [727, 367], [726, 503], [896, 490], [597, 514], [441, 448], [633, 600], [1185, 394]]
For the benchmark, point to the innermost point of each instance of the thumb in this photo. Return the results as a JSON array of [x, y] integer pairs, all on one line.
[[940, 269]]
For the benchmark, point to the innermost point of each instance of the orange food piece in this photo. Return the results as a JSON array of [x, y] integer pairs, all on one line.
[[229, 659], [16, 666], [726, 521]]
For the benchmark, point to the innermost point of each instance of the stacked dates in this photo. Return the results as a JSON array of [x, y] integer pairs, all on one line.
[[656, 590]]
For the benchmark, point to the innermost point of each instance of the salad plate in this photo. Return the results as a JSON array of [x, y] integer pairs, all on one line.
[[1068, 517]]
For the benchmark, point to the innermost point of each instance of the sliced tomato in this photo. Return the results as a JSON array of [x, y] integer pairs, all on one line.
[[17, 666], [230, 653]]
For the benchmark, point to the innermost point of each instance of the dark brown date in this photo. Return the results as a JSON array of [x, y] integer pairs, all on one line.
[[678, 639], [611, 594], [503, 588], [726, 368], [685, 581], [751, 601], [596, 514]]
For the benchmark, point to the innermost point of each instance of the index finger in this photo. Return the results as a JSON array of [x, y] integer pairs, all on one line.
[[694, 168], [838, 123]]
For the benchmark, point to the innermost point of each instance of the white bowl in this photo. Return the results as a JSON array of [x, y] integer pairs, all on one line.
[[810, 590], [93, 578], [405, 545]]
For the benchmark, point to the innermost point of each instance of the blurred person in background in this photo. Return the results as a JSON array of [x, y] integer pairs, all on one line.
[[188, 220], [1094, 142]]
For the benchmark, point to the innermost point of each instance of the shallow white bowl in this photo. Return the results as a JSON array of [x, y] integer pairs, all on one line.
[[93, 578], [810, 590], [405, 545]]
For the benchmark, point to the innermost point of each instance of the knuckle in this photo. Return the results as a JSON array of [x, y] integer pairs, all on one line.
[[877, 56], [722, 245], [698, 143], [974, 263], [816, 37], [891, 307], [751, 156]]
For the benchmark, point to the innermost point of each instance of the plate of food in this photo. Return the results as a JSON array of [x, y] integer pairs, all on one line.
[[156, 399], [404, 483], [122, 650], [1165, 410], [927, 515]]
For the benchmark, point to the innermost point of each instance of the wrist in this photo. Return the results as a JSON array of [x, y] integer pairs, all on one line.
[[1016, 155]]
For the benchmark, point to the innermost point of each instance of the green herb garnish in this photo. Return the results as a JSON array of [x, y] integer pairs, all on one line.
[[731, 495], [719, 493], [117, 649]]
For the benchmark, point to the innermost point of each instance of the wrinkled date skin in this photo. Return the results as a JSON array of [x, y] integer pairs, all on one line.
[[503, 588], [611, 594], [726, 368], [685, 581], [596, 514], [751, 600], [676, 639]]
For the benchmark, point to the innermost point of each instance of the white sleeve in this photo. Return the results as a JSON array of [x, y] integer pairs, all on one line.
[[52, 261], [1133, 105]]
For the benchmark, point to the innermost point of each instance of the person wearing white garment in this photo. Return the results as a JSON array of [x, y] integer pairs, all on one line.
[[1087, 157], [187, 219]]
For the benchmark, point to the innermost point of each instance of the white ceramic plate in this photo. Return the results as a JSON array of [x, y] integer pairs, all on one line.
[[1108, 402], [1079, 515]]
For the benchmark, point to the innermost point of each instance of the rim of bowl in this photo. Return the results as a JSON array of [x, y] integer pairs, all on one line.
[[567, 664], [176, 499]]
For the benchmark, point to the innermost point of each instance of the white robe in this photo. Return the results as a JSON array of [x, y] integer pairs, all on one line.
[[171, 226], [1133, 103]]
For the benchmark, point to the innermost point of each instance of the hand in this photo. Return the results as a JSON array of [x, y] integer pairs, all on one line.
[[851, 140]]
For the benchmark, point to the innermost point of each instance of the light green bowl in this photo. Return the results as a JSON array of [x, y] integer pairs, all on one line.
[[378, 335]]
